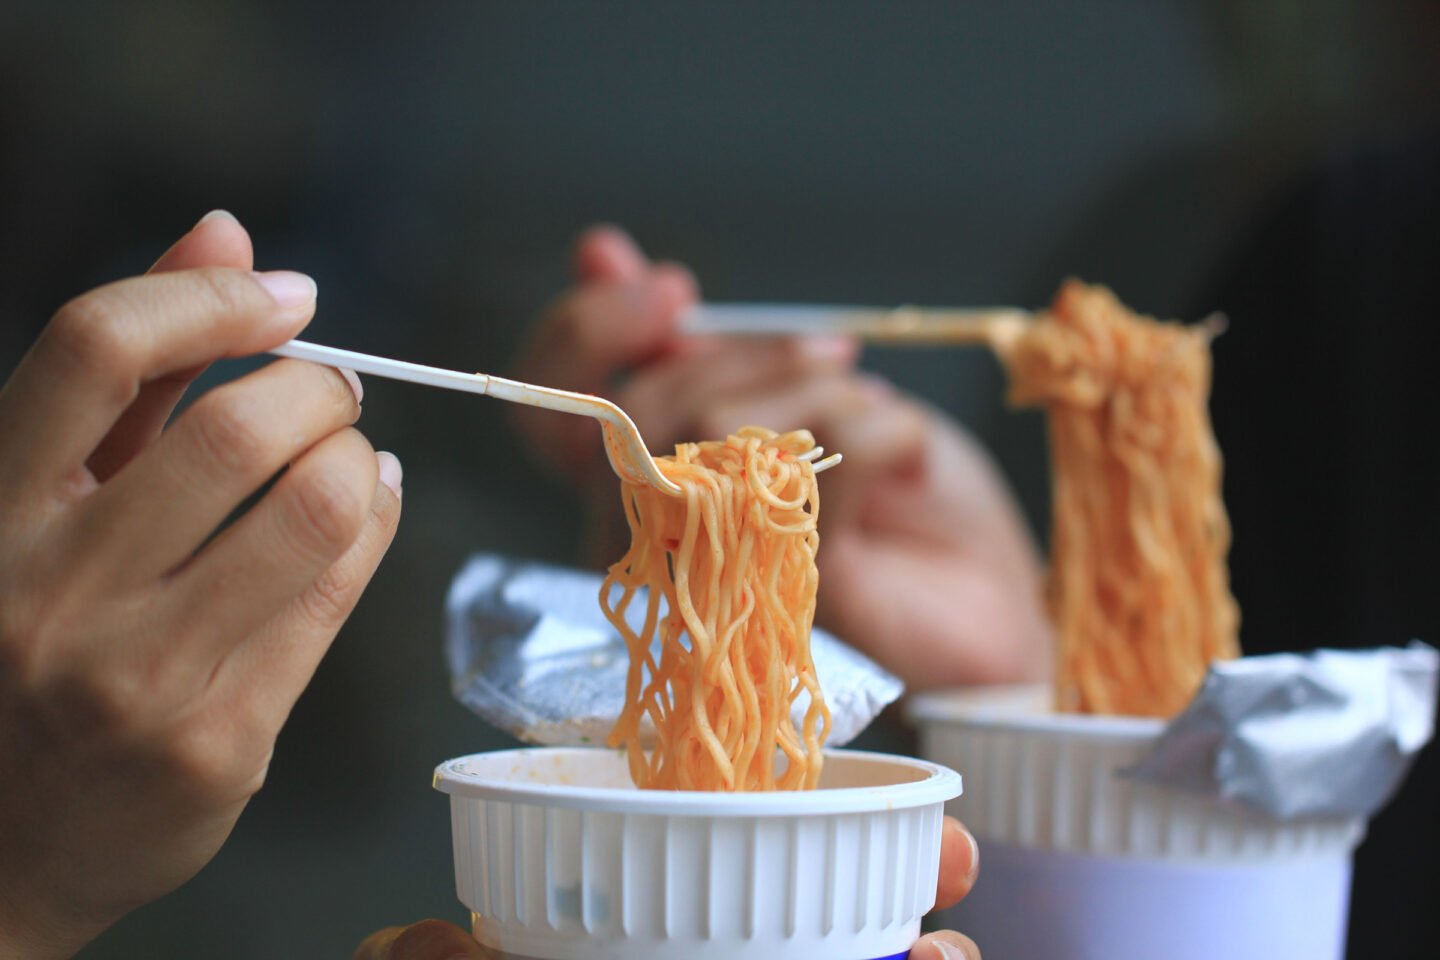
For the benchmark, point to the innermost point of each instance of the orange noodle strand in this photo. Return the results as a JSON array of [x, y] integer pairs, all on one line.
[[1138, 586], [734, 560]]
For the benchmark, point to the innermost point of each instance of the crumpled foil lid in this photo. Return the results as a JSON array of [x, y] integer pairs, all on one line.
[[531, 653], [1329, 733]]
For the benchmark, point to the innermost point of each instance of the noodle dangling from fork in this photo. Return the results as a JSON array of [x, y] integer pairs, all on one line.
[[734, 561], [1139, 589]]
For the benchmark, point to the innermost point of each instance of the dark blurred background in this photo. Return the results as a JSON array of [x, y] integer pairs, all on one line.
[[429, 164]]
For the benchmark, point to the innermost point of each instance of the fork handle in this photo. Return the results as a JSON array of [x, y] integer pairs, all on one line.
[[500, 388], [385, 367], [920, 325], [631, 444]]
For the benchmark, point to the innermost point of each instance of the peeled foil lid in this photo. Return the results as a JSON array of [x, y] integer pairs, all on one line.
[[530, 651], [1328, 733]]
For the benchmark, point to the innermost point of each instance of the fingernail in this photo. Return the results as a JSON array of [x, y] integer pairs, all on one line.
[[352, 378], [826, 349], [610, 233], [288, 288], [974, 855], [676, 284], [216, 215], [948, 951], [391, 473]]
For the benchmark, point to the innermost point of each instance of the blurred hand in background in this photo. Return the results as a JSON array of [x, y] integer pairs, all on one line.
[[926, 563], [147, 662]]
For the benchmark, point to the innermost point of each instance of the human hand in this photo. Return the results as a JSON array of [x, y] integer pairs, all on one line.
[[146, 662], [616, 333], [959, 866], [426, 940], [925, 561]]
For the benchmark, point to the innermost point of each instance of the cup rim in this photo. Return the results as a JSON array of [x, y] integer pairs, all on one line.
[[1023, 707], [938, 784]]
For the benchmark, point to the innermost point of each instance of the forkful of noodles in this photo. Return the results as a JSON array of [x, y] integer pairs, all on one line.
[[1138, 586], [721, 692]]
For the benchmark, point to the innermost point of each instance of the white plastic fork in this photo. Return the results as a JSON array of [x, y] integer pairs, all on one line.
[[624, 446], [996, 327]]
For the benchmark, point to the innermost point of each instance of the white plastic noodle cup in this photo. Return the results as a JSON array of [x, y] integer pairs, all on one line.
[[1080, 862], [559, 857]]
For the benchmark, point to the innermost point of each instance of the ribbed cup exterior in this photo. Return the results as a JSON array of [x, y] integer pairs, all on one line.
[[1057, 789], [559, 883]]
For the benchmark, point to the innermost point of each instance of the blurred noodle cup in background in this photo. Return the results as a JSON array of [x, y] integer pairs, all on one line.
[[1226, 832]]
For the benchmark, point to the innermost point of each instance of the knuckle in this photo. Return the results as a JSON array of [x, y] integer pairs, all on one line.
[[386, 514], [228, 292], [324, 386], [227, 432], [196, 760], [329, 599], [327, 511], [337, 388], [89, 332]]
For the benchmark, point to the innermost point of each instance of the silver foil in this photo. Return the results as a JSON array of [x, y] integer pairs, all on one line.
[[1329, 733], [531, 653]]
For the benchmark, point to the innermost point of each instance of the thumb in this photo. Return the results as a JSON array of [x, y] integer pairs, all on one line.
[[426, 940], [945, 945]]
